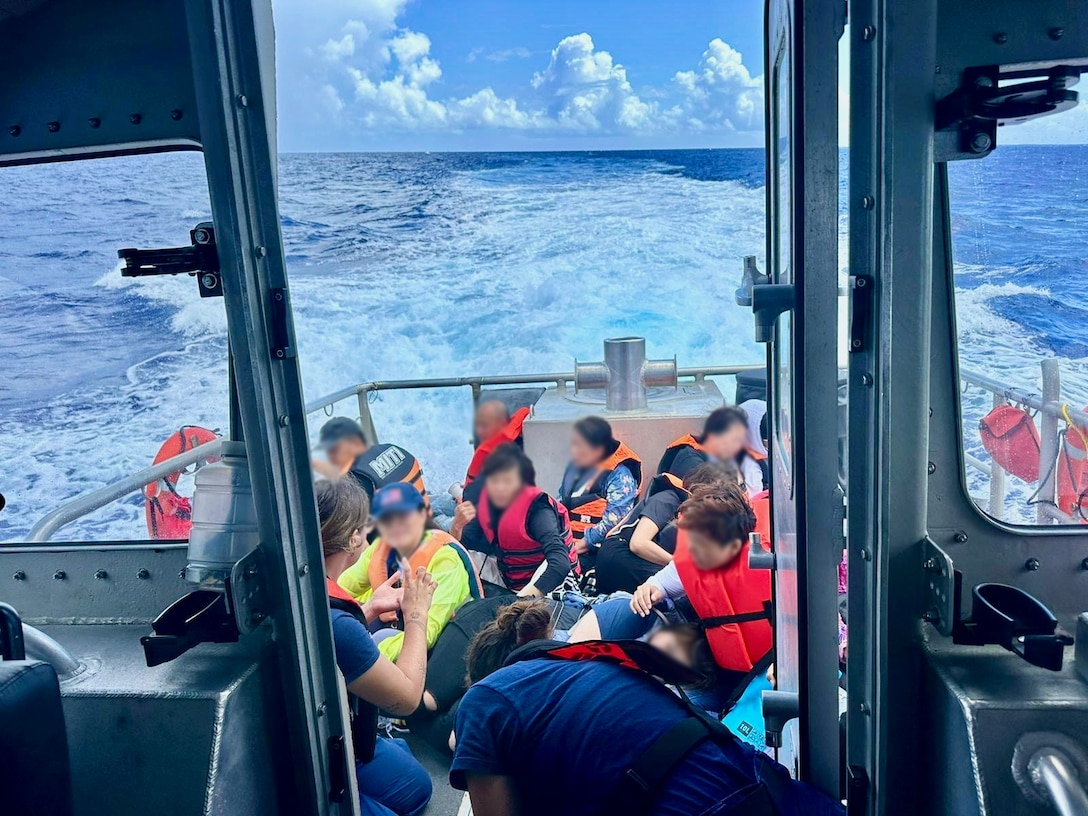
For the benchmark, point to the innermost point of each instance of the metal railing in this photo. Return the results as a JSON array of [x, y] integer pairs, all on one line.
[[1052, 412]]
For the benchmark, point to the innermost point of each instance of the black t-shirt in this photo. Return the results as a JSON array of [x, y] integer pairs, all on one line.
[[619, 569], [661, 508]]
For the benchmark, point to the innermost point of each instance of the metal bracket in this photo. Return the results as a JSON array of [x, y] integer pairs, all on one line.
[[752, 277], [247, 595], [759, 558], [280, 336], [857, 791], [200, 260], [981, 104], [940, 587], [769, 300], [861, 311]]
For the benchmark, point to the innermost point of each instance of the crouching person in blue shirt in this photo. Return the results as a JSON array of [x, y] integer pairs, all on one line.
[[535, 735], [391, 781]]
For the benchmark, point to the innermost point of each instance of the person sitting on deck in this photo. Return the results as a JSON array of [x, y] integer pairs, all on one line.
[[493, 427], [725, 434], [523, 527], [535, 734], [372, 466], [600, 485], [390, 779], [403, 538], [645, 539]]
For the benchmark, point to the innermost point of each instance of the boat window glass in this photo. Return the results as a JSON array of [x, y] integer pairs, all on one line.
[[781, 250], [1018, 221], [100, 370]]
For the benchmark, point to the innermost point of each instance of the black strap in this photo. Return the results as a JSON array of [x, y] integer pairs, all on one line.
[[647, 776], [744, 617]]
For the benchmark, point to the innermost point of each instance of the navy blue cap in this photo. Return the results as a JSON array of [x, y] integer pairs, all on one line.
[[399, 497]]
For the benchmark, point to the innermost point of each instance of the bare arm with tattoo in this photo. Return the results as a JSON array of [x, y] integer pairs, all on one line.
[[398, 687]]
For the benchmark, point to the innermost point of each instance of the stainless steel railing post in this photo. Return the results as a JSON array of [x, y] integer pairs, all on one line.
[[1048, 438]]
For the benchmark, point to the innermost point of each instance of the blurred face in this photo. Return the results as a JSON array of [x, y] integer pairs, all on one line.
[[403, 531], [503, 487], [728, 443], [490, 419], [708, 554], [345, 452], [582, 454], [672, 645]]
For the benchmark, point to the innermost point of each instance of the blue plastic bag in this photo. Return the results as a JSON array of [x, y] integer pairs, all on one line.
[[745, 719]]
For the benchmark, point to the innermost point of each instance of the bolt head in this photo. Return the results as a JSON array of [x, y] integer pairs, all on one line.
[[59, 575], [14, 130], [1001, 38], [209, 280], [866, 379], [981, 142], [135, 118], [53, 127], [143, 574], [94, 122], [304, 570], [176, 115], [865, 554], [960, 537], [243, 101], [868, 33], [261, 251], [932, 565], [100, 575], [18, 575], [931, 468], [285, 421], [1032, 565], [1056, 33], [201, 235]]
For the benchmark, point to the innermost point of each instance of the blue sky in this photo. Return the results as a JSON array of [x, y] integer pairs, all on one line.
[[519, 74]]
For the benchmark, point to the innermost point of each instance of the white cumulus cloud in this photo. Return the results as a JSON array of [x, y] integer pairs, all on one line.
[[719, 93]]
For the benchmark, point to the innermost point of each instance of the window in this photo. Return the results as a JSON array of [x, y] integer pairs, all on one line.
[[100, 370], [1019, 219], [783, 271]]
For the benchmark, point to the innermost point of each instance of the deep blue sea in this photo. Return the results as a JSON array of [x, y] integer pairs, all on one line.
[[415, 265]]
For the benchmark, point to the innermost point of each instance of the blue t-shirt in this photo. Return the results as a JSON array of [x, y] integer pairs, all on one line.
[[567, 732], [356, 651]]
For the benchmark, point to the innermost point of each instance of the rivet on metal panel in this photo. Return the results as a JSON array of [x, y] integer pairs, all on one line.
[[94, 122], [1001, 38], [59, 575], [304, 570], [863, 707], [865, 554], [143, 574], [14, 130], [1056, 33], [938, 70], [866, 379], [1032, 565], [285, 421], [931, 468], [242, 101], [868, 33], [176, 114], [960, 537], [20, 575], [101, 575], [321, 709], [1084, 564], [932, 565], [135, 118], [53, 127], [868, 202]]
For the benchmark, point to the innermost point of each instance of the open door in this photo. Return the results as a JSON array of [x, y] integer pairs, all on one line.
[[795, 310]]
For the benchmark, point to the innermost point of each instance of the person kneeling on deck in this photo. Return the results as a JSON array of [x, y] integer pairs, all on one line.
[[600, 485], [537, 736], [403, 538], [372, 466], [390, 779], [710, 574], [523, 527], [645, 539], [725, 434]]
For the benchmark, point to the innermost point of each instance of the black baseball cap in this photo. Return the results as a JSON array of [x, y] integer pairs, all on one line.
[[338, 429]]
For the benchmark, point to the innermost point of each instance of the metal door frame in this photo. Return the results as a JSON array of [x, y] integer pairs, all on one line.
[[807, 561]]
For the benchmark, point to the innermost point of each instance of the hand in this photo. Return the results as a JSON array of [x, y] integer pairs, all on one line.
[[530, 592], [644, 599], [464, 513], [416, 601], [386, 597], [580, 546]]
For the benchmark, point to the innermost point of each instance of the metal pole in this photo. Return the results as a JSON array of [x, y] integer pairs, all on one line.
[[997, 479], [366, 419], [1048, 438], [1051, 771], [625, 357]]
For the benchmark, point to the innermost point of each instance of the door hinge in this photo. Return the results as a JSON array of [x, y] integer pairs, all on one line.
[[200, 260]]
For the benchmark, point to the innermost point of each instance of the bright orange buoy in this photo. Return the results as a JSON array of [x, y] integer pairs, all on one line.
[[168, 513], [1012, 440], [1073, 470]]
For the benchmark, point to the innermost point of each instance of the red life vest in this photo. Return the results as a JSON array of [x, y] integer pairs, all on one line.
[[169, 515], [733, 603], [1010, 437], [761, 506], [364, 715], [510, 433], [518, 553], [1072, 471], [588, 502], [686, 442]]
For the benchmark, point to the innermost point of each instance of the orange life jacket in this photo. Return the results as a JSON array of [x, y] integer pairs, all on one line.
[[510, 433], [761, 506], [674, 448], [378, 569], [733, 603], [168, 514], [1010, 437], [519, 554], [1072, 471], [587, 502]]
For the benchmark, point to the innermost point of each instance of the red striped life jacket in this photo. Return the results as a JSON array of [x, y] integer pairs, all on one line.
[[510, 433], [733, 604], [518, 553]]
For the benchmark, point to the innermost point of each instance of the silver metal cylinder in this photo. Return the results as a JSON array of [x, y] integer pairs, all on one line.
[[39, 646], [224, 519], [1052, 772], [624, 357], [590, 375], [1048, 439]]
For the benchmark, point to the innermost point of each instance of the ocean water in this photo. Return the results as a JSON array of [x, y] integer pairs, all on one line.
[[419, 265]]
